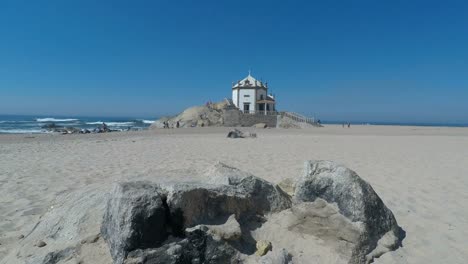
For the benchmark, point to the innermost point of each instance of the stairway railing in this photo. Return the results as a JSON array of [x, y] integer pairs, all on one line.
[[299, 118]]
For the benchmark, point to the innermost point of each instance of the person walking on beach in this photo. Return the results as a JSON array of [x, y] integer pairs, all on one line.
[[177, 124], [349, 124]]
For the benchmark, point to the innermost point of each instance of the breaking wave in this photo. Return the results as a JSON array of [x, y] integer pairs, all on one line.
[[21, 131], [51, 119], [111, 123]]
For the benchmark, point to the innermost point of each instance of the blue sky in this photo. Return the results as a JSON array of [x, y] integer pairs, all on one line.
[[400, 61]]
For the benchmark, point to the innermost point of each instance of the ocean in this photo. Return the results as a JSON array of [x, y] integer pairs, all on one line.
[[15, 124], [378, 123]]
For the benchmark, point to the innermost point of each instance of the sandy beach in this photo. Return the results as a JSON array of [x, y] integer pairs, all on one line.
[[421, 173]]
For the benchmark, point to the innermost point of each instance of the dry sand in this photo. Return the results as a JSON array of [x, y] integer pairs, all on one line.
[[421, 173]]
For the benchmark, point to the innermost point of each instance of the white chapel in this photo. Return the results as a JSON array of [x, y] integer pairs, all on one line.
[[251, 96]]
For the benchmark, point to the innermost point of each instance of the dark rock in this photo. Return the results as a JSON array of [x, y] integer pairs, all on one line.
[[357, 201], [235, 134], [135, 217], [198, 247]]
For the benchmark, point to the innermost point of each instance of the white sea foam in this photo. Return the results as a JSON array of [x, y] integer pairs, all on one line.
[[111, 123], [21, 131], [94, 123], [148, 121], [51, 119], [13, 121], [120, 123]]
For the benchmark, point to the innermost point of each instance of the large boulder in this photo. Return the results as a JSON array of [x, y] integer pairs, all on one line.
[[135, 218], [357, 201]]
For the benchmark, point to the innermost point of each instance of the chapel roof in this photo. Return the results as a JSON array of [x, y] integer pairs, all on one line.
[[249, 82]]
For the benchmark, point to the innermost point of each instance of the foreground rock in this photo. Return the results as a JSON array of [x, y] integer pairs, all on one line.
[[135, 217], [377, 229], [151, 219], [333, 216]]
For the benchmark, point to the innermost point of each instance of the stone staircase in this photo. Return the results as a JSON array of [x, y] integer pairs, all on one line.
[[299, 118]]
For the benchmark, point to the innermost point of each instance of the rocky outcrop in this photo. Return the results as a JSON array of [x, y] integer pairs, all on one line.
[[356, 201], [207, 115]]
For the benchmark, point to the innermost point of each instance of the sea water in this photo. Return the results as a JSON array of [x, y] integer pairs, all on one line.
[[15, 124]]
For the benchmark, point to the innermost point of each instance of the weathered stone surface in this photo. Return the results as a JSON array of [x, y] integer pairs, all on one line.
[[276, 256], [356, 200], [231, 230], [266, 196], [263, 247], [197, 247], [193, 204], [135, 217], [221, 173], [288, 186]]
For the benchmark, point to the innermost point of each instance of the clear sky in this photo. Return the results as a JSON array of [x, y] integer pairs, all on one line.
[[403, 61]]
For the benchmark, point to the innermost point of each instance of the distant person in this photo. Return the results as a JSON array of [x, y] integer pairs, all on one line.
[[349, 125], [177, 124]]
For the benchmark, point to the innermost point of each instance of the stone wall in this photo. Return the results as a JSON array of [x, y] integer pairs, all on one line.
[[234, 117]]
